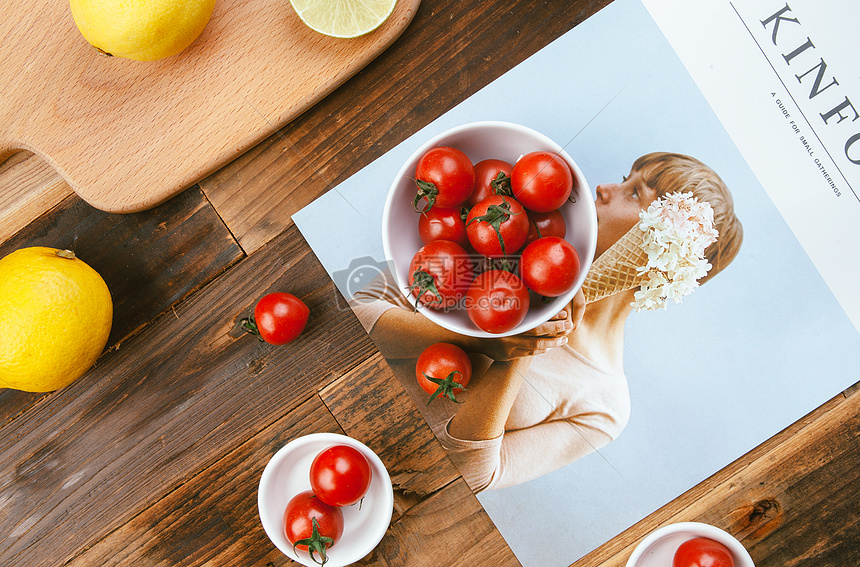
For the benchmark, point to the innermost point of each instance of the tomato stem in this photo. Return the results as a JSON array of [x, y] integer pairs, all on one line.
[[424, 283], [426, 190], [446, 386], [501, 185], [316, 543], [250, 326]]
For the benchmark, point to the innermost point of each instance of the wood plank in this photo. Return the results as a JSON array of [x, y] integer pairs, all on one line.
[[214, 513], [370, 405], [790, 501], [212, 518], [442, 58], [175, 398], [150, 261], [28, 188], [449, 528]]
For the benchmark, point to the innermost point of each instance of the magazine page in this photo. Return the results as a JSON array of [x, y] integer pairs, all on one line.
[[784, 80], [590, 446]]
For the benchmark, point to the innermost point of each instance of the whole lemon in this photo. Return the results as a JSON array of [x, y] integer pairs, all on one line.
[[55, 318], [144, 30]]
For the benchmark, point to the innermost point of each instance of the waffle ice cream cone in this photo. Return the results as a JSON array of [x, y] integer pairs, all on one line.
[[662, 256], [617, 269]]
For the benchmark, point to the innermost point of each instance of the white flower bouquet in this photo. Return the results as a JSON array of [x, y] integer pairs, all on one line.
[[663, 254]]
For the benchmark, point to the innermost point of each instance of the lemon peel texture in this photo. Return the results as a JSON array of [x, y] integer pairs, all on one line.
[[55, 319], [143, 30]]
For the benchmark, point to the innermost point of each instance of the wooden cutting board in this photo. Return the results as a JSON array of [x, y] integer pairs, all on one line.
[[128, 135]]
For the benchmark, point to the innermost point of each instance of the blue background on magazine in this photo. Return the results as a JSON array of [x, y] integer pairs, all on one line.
[[751, 352]]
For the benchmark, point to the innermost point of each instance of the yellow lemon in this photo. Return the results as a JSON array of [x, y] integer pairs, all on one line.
[[144, 30], [55, 318]]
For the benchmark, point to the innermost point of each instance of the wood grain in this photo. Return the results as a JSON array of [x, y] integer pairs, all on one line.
[[150, 260], [211, 517], [448, 53], [155, 259], [172, 400], [28, 188], [448, 528], [127, 135]]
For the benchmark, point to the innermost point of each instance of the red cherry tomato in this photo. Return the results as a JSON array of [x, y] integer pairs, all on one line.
[[497, 301], [445, 177], [278, 318], [541, 181], [492, 177], [545, 224], [549, 266], [443, 224], [312, 525], [340, 475], [443, 369], [702, 552], [440, 274], [497, 226]]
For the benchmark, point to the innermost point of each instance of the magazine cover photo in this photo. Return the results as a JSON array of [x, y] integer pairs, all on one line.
[[700, 330]]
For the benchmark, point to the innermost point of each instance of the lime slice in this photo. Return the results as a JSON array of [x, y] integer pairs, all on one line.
[[343, 18]]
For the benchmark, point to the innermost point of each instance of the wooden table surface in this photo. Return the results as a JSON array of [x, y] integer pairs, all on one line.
[[153, 457]]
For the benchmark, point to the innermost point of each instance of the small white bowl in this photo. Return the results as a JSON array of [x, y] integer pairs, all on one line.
[[658, 548], [479, 141], [287, 474]]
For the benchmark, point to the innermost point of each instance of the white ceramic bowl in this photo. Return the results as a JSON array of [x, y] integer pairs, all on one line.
[[287, 474], [479, 141], [658, 548]]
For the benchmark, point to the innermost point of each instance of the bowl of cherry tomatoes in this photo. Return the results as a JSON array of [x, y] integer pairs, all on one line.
[[690, 544], [489, 229], [326, 498]]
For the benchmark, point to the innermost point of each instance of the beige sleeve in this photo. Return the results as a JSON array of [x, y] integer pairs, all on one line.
[[478, 461], [529, 449], [522, 455]]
